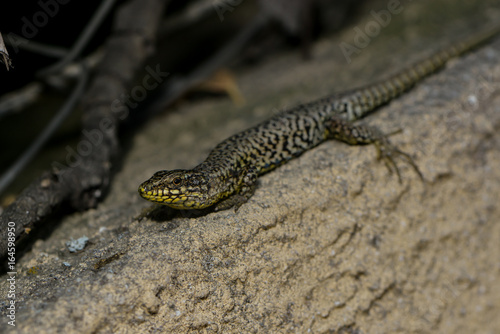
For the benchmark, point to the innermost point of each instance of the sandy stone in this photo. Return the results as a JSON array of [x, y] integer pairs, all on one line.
[[330, 242]]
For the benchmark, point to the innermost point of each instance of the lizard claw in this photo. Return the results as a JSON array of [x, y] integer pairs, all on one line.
[[388, 152]]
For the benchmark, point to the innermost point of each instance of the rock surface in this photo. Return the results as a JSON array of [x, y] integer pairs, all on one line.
[[330, 242]]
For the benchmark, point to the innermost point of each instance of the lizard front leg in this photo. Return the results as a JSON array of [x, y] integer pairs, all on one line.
[[244, 191]]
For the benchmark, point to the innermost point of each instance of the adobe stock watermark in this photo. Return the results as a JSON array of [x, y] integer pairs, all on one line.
[[32, 25], [11, 267], [222, 6], [363, 37], [120, 108]]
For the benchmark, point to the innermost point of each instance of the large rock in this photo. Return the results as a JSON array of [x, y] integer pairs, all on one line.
[[329, 242]]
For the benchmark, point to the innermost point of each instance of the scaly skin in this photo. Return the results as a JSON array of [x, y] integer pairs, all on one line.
[[228, 176]]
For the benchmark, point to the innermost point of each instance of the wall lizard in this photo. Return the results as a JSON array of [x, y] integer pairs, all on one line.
[[228, 176]]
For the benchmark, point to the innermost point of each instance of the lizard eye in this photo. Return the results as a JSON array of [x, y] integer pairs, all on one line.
[[177, 181]]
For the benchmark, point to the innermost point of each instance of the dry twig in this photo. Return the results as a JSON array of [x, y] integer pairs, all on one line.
[[4, 54], [82, 184]]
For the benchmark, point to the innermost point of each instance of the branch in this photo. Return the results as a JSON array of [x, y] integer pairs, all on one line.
[[4, 54], [82, 183]]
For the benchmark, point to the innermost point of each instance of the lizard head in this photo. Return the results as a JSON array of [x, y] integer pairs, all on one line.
[[179, 189]]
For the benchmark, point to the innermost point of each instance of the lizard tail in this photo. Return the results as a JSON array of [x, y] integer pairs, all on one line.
[[356, 104]]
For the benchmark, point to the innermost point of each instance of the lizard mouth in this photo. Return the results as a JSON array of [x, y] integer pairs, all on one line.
[[166, 197]]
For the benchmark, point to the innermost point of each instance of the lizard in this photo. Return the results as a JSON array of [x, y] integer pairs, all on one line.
[[228, 176]]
